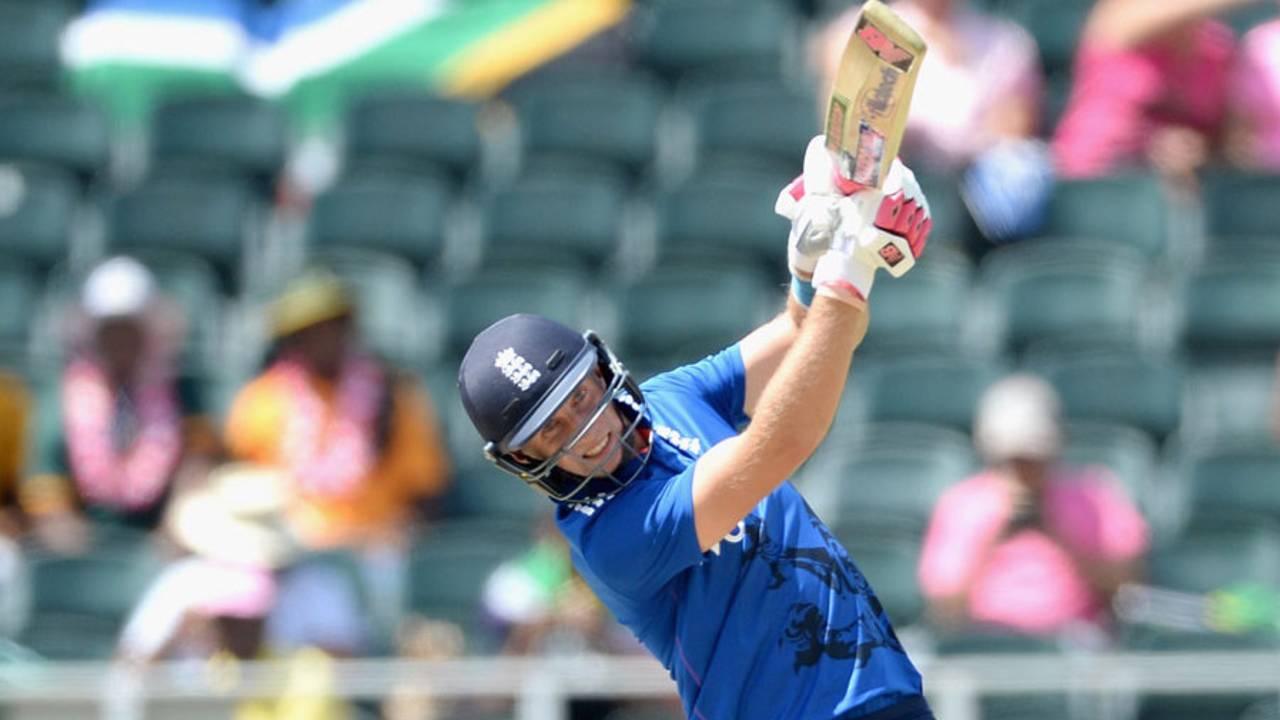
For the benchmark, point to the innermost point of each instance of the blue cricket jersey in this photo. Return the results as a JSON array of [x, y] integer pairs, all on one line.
[[773, 623]]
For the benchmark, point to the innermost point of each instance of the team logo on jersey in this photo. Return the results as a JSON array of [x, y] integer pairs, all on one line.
[[516, 369], [691, 445]]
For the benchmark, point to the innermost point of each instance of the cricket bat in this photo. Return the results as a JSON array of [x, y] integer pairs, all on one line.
[[871, 95]]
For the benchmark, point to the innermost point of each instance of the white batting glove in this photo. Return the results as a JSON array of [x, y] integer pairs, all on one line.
[[810, 203], [886, 228]]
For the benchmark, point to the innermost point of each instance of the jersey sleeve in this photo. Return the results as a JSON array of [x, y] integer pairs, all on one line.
[[719, 380], [644, 536]]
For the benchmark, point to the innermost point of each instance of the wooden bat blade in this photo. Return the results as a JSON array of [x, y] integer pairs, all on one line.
[[871, 95]]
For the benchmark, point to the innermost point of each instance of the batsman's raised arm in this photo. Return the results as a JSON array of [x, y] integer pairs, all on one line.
[[796, 365]]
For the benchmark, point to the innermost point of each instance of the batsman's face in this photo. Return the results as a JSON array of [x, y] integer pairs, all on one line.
[[598, 450]]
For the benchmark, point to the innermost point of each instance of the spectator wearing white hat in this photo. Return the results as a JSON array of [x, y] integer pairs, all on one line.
[[1028, 544], [126, 426]]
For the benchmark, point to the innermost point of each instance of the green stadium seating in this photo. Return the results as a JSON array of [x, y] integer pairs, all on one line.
[[480, 490], [1127, 210], [679, 313], [1125, 389], [1047, 706], [725, 212], [80, 603], [226, 132], [449, 564], [889, 564], [952, 226], [569, 216], [1209, 555], [416, 131], [1233, 309], [938, 389], [1056, 26], [1240, 204], [1233, 479], [397, 213], [55, 130], [19, 289], [730, 37], [756, 122], [36, 208], [205, 216], [1181, 706], [29, 41], [472, 305], [1233, 401], [606, 118], [923, 311], [898, 471], [645, 713], [1054, 290], [1127, 452], [387, 294]]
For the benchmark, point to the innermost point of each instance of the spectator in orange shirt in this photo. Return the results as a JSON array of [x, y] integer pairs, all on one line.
[[358, 440]]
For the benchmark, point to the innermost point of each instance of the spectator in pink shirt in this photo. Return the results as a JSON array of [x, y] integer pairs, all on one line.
[[1027, 544], [1256, 94], [1152, 82]]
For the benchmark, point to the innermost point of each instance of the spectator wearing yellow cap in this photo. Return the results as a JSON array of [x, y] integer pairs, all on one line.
[[358, 441], [1028, 544], [126, 426]]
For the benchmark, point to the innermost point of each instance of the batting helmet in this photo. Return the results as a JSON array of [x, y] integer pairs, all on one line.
[[516, 375]]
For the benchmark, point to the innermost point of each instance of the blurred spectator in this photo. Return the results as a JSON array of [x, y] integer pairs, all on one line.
[[1028, 544], [358, 440], [1256, 93], [128, 428], [975, 111], [218, 602], [15, 419], [422, 639], [1151, 88]]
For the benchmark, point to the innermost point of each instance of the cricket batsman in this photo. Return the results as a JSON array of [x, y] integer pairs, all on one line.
[[685, 526]]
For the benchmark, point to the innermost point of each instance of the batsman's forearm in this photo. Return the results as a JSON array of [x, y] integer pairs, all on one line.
[[799, 403]]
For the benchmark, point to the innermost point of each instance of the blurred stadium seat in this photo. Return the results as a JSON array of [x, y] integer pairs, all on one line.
[[1241, 204], [564, 215], [483, 492], [607, 118], [1233, 309], [899, 470], [37, 206], [1239, 479], [207, 216], [79, 604], [751, 123], [1210, 555], [1059, 290], [1127, 210], [414, 131], [680, 312], [235, 133], [399, 213], [1127, 452], [474, 304], [724, 212], [924, 311], [1128, 389], [934, 389], [449, 564], [55, 130], [1229, 401], [1055, 25], [734, 38], [19, 290], [29, 38]]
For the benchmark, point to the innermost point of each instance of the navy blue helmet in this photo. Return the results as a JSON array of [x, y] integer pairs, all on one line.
[[518, 372]]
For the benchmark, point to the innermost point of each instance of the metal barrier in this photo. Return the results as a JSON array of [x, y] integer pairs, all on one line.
[[541, 687]]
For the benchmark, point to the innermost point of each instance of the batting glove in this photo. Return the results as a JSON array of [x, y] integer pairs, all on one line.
[[810, 203], [886, 228]]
